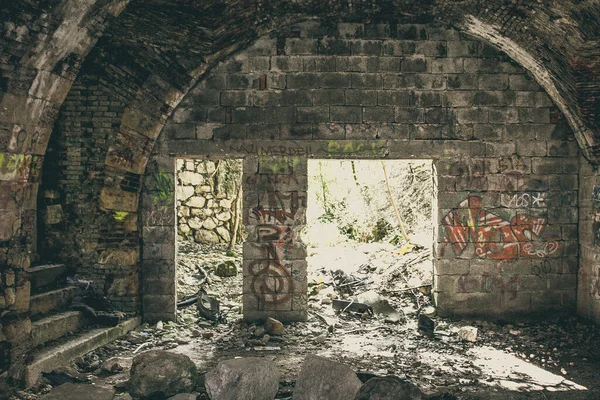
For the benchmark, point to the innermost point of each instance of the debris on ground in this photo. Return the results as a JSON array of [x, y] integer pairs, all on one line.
[[243, 378], [559, 355]]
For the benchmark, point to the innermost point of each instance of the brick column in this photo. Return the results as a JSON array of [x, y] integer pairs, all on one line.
[[275, 282], [158, 241]]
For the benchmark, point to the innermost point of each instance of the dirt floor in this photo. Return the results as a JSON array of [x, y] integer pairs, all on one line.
[[554, 359]]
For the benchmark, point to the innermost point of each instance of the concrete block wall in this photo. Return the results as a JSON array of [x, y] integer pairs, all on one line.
[[588, 288], [506, 161]]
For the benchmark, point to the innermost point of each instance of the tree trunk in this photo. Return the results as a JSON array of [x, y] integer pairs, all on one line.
[[236, 219]]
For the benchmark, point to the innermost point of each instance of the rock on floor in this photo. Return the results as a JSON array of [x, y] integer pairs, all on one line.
[[388, 388], [242, 379], [75, 391], [321, 378], [159, 371]]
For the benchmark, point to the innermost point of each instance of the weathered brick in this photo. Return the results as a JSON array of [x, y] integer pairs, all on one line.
[[346, 114], [522, 82], [461, 81], [328, 96], [361, 97], [313, 114], [493, 81], [303, 81], [394, 98], [416, 64], [378, 114], [367, 81], [336, 80]]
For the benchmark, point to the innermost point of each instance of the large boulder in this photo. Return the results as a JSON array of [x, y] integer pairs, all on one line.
[[389, 388], [158, 371], [243, 379], [78, 391], [321, 378]]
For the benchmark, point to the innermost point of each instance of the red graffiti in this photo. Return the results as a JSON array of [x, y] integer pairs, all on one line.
[[495, 237], [271, 281]]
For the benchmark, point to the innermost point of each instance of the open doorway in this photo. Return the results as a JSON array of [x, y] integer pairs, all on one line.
[[369, 234], [209, 235]]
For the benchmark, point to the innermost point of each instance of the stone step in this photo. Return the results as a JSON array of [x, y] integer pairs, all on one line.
[[62, 353], [56, 326], [44, 275], [54, 300]]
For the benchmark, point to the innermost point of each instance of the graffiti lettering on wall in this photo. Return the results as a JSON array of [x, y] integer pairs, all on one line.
[[494, 237], [523, 200], [279, 150], [271, 281], [542, 269], [596, 215], [490, 284], [280, 207]]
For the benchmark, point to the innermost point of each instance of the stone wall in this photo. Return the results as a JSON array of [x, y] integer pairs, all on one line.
[[205, 213], [506, 161]]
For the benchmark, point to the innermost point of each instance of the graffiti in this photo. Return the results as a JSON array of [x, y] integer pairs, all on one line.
[[262, 180], [542, 269], [271, 281], [489, 284], [281, 207], [280, 150], [523, 200], [495, 237], [163, 193], [351, 147], [596, 215]]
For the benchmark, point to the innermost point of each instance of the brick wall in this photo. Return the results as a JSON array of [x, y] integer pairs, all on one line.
[[507, 167]]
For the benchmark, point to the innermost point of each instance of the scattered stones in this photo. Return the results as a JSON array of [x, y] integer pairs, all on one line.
[[389, 388], [321, 378], [206, 236], [184, 396], [468, 333], [116, 364], [79, 391], [273, 326], [243, 378], [226, 269], [158, 371]]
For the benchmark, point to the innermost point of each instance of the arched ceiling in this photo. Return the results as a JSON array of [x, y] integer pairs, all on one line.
[[170, 43]]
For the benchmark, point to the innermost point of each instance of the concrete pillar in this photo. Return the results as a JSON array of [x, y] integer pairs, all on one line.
[[275, 281]]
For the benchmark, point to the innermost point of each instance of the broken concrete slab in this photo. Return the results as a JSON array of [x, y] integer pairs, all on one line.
[[76, 391], [243, 378], [158, 371], [321, 378]]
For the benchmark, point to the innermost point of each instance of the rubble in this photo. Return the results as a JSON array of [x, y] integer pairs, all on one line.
[[158, 371], [321, 378], [273, 327], [243, 378], [73, 391], [468, 333], [388, 388], [443, 363]]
